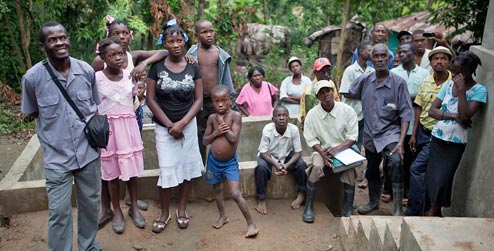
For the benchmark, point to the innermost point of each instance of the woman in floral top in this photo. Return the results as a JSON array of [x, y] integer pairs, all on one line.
[[456, 103]]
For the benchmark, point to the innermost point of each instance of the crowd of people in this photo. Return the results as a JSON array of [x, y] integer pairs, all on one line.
[[413, 117]]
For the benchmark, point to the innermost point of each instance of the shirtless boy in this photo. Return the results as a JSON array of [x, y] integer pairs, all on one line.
[[215, 69], [223, 132]]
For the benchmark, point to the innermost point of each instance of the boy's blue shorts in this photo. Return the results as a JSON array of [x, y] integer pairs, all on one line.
[[217, 171]]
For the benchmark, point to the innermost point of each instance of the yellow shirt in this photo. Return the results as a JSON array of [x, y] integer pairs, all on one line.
[[426, 95], [308, 98]]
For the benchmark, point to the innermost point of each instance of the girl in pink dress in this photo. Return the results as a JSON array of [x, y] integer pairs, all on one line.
[[258, 97], [122, 159]]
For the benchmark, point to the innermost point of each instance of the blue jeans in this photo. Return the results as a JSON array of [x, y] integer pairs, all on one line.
[[416, 193], [59, 187], [418, 170], [263, 172]]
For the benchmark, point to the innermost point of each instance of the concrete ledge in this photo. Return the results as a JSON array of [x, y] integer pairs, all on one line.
[[376, 239], [392, 233], [23, 187], [431, 234], [363, 232], [344, 231]]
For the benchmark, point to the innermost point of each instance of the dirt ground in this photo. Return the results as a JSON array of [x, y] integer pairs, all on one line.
[[281, 229]]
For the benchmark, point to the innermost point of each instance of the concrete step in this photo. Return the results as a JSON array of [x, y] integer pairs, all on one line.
[[385, 233], [378, 228], [344, 232], [432, 233], [358, 233], [392, 233]]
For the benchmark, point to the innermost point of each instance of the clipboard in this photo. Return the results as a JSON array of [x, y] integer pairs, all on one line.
[[352, 159]]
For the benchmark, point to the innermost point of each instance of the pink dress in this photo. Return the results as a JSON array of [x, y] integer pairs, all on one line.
[[123, 155], [257, 104]]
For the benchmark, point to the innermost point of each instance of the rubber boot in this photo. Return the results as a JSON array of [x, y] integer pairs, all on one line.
[[374, 194], [348, 199], [309, 203], [398, 199]]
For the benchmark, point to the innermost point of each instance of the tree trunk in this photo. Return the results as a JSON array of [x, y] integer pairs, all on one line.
[[328, 15], [187, 15], [429, 4], [25, 34], [265, 12], [341, 44], [15, 47], [200, 12]]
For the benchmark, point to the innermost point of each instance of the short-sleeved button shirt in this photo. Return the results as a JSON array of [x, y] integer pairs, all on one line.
[[414, 81], [426, 95], [279, 146], [330, 128], [448, 129], [384, 106], [60, 131], [350, 74]]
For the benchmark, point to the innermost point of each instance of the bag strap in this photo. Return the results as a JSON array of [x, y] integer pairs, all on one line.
[[64, 92], [269, 88]]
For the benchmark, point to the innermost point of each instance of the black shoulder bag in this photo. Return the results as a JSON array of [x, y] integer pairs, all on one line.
[[97, 129]]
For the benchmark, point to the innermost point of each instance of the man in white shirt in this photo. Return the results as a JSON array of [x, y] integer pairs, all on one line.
[[280, 148], [330, 128]]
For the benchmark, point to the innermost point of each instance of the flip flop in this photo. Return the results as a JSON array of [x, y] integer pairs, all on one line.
[[182, 221], [159, 225]]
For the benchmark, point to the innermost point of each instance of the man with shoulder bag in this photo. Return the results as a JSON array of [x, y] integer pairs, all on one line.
[[67, 153]]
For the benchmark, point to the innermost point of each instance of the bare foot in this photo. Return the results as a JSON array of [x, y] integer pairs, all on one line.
[[261, 207], [298, 201], [221, 222], [362, 184], [251, 231]]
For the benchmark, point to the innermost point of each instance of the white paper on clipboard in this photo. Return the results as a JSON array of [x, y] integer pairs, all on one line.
[[348, 156]]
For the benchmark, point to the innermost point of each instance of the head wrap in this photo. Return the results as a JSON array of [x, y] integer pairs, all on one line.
[[171, 23]]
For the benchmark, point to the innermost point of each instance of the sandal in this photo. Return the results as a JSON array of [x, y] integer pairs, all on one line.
[[182, 221], [159, 225]]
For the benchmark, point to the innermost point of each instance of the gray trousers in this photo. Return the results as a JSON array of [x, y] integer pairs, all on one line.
[[59, 187]]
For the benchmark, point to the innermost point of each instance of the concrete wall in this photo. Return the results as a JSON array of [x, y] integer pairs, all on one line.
[[472, 187], [23, 188]]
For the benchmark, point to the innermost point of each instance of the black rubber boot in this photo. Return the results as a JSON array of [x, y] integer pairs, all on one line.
[[374, 194], [348, 199], [309, 203], [398, 199]]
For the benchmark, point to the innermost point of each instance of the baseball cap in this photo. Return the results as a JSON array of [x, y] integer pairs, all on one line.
[[403, 33], [440, 49], [320, 63], [291, 60], [321, 84]]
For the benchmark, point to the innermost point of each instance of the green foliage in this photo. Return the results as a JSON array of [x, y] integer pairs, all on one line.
[[84, 20], [455, 13], [10, 122]]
